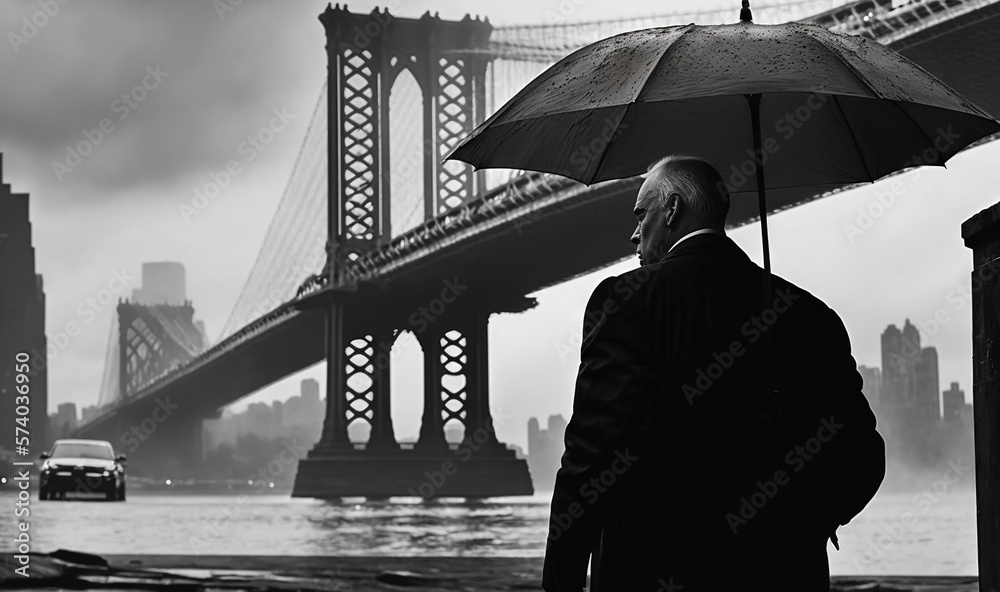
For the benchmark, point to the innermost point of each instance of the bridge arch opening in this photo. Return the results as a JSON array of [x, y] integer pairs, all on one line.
[[406, 386], [407, 148]]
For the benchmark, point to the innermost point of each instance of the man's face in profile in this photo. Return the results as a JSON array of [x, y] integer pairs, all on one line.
[[652, 235]]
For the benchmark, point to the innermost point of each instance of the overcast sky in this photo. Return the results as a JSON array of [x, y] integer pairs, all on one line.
[[211, 81]]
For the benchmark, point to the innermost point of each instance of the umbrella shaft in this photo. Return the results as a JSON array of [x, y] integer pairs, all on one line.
[[759, 168], [758, 152]]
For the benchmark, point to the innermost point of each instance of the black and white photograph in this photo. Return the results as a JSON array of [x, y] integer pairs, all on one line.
[[456, 295]]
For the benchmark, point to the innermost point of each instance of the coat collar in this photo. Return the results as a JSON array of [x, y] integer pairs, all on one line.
[[705, 244]]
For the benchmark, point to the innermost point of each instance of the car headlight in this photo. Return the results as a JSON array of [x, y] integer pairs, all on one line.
[[107, 474]]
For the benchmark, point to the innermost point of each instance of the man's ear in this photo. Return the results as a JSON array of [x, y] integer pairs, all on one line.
[[671, 207]]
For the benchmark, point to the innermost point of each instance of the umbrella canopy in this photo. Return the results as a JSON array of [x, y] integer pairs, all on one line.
[[834, 110]]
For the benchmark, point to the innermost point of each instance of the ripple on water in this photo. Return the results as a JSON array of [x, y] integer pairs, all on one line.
[[941, 540]]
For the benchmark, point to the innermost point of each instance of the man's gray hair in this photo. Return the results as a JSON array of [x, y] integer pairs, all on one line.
[[697, 181]]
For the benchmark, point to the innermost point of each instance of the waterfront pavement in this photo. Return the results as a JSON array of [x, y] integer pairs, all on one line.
[[67, 570]]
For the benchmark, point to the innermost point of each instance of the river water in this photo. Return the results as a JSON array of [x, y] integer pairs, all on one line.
[[913, 534]]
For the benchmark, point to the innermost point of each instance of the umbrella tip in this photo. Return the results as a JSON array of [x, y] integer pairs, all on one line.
[[745, 15]]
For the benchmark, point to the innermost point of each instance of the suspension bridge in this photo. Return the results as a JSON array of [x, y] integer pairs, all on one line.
[[373, 227]]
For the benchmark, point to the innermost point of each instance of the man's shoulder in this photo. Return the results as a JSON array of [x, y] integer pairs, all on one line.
[[808, 303], [653, 282], [619, 288]]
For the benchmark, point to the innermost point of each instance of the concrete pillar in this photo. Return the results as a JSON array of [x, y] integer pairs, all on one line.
[[431, 426], [383, 437], [335, 424], [477, 373], [982, 234]]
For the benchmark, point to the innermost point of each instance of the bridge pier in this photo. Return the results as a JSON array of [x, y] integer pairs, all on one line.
[[455, 389], [334, 436], [382, 437], [456, 380]]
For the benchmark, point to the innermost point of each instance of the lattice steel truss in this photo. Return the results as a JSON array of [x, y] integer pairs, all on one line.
[[359, 158], [360, 379], [153, 340], [454, 121], [366, 54], [454, 381]]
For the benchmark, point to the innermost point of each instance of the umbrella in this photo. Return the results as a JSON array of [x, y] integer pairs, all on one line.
[[818, 110]]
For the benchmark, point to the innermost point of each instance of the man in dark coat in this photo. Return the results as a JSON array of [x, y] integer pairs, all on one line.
[[718, 437]]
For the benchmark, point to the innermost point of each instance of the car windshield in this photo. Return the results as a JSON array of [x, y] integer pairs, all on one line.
[[79, 450]]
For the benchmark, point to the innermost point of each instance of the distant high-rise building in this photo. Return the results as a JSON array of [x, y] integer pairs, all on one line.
[[557, 429], [910, 383], [927, 402], [894, 366], [872, 388], [23, 346], [900, 353], [262, 420], [545, 449], [300, 417], [163, 282], [909, 409], [200, 326], [88, 413], [306, 411], [955, 407], [65, 420]]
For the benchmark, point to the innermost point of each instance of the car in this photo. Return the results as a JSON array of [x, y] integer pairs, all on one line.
[[82, 466]]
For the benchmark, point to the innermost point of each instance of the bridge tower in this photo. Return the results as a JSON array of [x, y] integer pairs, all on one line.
[[162, 438], [366, 53]]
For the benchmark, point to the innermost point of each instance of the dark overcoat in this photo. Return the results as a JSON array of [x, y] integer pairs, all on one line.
[[695, 461]]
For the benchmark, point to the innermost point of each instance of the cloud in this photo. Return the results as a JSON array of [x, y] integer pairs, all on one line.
[[90, 63]]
